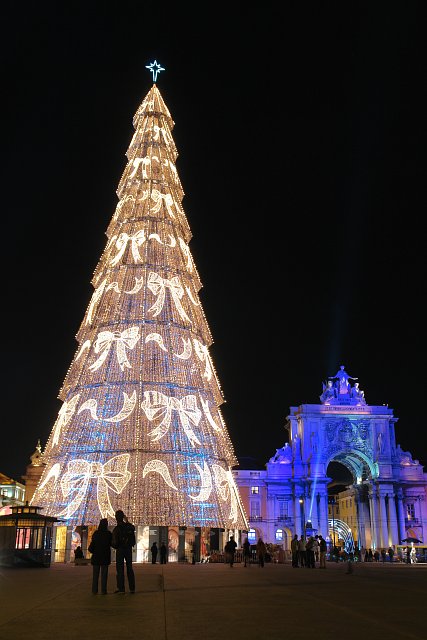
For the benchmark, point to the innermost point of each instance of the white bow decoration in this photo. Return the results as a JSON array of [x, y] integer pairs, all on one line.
[[157, 286], [125, 340], [137, 240], [158, 404], [158, 197], [111, 475]]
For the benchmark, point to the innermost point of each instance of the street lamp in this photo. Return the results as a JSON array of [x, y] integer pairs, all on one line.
[[301, 501]]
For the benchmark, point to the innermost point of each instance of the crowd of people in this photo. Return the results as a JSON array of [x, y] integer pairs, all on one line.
[[260, 552], [377, 555], [305, 552]]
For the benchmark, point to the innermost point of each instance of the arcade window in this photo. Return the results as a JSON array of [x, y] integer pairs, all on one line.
[[254, 489]]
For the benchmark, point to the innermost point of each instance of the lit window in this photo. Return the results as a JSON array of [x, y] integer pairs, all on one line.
[[254, 489], [23, 536], [410, 508], [255, 510], [279, 534], [251, 535], [283, 509]]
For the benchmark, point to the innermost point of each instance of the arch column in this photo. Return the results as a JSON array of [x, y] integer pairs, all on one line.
[[401, 516], [272, 516], [393, 520], [360, 515], [423, 516], [373, 508], [383, 528], [316, 510], [323, 508]]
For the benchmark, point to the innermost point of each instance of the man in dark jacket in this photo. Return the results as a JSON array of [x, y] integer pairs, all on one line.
[[230, 549], [154, 551], [295, 551], [123, 541], [163, 553]]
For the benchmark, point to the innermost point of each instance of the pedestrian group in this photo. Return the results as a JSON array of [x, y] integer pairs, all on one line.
[[306, 551]]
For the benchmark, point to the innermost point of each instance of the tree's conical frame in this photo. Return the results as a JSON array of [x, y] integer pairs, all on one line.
[[140, 428]]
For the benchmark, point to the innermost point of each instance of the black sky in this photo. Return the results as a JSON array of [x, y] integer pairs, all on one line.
[[301, 135]]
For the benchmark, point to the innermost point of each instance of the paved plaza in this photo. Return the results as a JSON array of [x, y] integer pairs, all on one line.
[[216, 602]]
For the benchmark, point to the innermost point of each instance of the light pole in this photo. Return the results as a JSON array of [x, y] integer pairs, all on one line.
[[301, 501]]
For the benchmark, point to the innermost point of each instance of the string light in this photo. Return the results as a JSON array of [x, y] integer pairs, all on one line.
[[140, 428]]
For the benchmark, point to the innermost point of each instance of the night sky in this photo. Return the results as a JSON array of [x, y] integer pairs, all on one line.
[[302, 153]]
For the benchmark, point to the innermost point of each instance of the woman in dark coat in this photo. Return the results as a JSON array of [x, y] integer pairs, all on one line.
[[261, 550], [100, 548]]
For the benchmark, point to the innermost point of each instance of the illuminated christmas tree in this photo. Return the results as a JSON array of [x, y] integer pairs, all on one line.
[[140, 427]]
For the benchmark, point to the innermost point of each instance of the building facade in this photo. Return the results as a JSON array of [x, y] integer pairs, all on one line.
[[12, 493], [384, 505]]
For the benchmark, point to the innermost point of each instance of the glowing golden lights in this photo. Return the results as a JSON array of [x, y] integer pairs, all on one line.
[[141, 416]]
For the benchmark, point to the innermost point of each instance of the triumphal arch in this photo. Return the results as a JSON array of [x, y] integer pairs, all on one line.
[[388, 488]]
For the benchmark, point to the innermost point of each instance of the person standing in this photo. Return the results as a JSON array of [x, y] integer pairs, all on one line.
[[100, 548], [261, 550], [247, 553], [123, 540], [316, 547], [383, 555], [322, 552], [78, 553], [390, 553], [309, 551], [230, 550], [295, 551], [163, 553], [154, 551], [302, 551]]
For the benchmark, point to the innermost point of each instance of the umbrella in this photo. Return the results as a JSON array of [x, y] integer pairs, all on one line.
[[414, 540]]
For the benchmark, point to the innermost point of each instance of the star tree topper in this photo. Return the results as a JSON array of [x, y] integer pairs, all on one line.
[[155, 68]]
